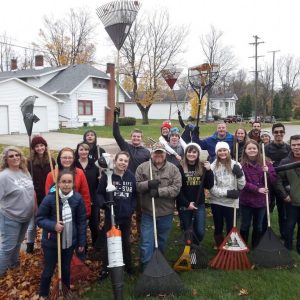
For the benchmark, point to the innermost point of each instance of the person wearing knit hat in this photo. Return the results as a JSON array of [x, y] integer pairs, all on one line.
[[39, 160], [191, 200], [229, 179], [165, 129], [265, 136]]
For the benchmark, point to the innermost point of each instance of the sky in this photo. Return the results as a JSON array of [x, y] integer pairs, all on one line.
[[276, 22]]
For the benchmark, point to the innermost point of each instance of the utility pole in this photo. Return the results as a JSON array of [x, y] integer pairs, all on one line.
[[256, 43], [272, 92]]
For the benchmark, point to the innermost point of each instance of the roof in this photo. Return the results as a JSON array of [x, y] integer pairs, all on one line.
[[221, 95], [67, 80], [31, 72], [32, 87]]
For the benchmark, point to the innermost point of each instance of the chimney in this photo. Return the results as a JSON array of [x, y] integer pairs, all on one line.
[[109, 108], [13, 64], [39, 61]]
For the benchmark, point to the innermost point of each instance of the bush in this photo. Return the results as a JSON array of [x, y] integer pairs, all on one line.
[[297, 113], [127, 121]]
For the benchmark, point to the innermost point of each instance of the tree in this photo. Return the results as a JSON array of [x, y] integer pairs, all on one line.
[[277, 106], [152, 45], [288, 68], [287, 101], [265, 89], [68, 40], [6, 53], [215, 53], [245, 107]]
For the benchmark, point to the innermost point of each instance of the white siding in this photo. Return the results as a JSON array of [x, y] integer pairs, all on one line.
[[12, 93], [4, 119], [158, 111]]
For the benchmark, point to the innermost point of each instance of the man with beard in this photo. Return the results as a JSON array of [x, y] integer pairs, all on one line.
[[254, 134]]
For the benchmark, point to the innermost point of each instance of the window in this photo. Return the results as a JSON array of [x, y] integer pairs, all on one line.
[[99, 83], [85, 107]]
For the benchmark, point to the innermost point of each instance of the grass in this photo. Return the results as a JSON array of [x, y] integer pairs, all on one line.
[[214, 284], [152, 130]]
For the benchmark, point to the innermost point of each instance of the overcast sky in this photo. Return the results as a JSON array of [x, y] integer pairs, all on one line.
[[277, 22]]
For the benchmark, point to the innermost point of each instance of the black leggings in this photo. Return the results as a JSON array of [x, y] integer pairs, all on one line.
[[219, 214]]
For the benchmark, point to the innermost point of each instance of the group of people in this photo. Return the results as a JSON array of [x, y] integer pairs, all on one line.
[[173, 173]]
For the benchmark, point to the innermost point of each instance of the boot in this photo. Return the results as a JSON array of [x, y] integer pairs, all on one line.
[[218, 239], [245, 235], [30, 247]]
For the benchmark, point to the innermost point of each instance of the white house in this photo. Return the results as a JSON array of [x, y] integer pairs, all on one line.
[[223, 104], [86, 95], [12, 93]]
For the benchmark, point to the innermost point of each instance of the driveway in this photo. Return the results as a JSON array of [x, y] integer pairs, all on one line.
[[57, 141]]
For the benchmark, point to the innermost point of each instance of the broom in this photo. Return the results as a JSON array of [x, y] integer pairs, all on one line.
[[193, 256], [158, 277], [59, 291], [270, 252], [79, 271]]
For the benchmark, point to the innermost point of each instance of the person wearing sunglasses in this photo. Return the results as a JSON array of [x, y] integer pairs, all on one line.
[[16, 205], [276, 151]]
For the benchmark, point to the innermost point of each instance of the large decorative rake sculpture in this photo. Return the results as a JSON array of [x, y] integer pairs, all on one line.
[[117, 17], [201, 79], [170, 75]]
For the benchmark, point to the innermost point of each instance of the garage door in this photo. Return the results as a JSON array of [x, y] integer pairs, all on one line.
[[42, 124], [4, 119]]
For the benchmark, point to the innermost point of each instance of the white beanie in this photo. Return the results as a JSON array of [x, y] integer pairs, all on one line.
[[222, 145], [192, 144]]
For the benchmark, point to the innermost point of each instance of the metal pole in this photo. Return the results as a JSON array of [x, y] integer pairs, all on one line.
[[273, 71]]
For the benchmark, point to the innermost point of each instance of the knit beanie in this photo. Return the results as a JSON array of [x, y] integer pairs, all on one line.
[[222, 145], [38, 140], [166, 124], [194, 145], [265, 132], [173, 131]]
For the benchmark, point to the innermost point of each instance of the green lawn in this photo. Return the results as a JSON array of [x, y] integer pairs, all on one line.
[[153, 129], [213, 284]]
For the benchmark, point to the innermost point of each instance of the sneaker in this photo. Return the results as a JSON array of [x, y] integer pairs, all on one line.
[[103, 274]]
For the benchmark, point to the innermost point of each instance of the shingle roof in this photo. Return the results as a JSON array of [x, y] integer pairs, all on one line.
[[30, 72], [71, 77]]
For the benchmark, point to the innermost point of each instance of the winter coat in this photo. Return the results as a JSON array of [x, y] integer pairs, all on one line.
[[39, 176], [138, 154], [254, 174], [254, 137], [169, 187], [210, 143], [190, 186], [91, 173], [81, 186], [46, 219], [124, 196], [224, 180], [277, 152], [289, 181]]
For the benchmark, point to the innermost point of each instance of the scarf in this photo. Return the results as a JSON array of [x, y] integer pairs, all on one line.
[[67, 220]]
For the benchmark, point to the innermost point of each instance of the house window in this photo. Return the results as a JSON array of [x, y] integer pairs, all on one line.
[[99, 83], [85, 107]]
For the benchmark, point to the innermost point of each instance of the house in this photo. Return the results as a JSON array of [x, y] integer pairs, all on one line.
[[83, 94], [220, 104], [12, 93]]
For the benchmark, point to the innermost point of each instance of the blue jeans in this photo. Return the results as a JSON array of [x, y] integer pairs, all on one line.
[[249, 215], [50, 260], [293, 218], [164, 225], [31, 231], [12, 234], [187, 217]]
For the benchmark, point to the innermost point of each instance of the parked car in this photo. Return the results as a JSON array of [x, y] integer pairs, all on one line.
[[233, 119], [269, 119]]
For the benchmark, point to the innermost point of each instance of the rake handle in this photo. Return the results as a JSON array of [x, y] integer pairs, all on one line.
[[153, 210], [266, 184]]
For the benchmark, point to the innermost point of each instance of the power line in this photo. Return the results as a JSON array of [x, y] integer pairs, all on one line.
[[256, 43]]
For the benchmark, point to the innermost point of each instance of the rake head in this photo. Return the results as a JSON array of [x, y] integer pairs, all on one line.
[[170, 75]]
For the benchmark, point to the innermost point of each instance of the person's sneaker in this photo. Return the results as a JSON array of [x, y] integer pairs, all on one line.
[[103, 274], [30, 247]]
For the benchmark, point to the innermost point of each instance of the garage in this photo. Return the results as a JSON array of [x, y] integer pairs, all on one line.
[[42, 124], [4, 119]]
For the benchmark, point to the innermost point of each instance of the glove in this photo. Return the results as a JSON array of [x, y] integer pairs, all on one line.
[[196, 130], [154, 193], [234, 194], [237, 171], [116, 112], [153, 184]]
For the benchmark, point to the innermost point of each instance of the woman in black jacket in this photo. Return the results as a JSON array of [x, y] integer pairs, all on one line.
[[83, 162], [90, 138], [196, 176]]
